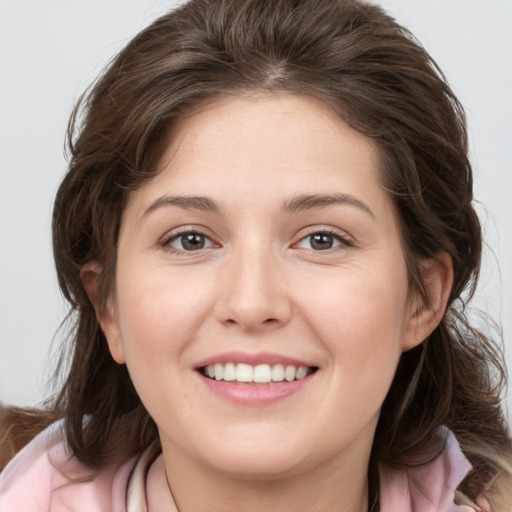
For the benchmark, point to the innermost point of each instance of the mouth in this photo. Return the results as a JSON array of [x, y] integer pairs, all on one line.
[[261, 374], [254, 380]]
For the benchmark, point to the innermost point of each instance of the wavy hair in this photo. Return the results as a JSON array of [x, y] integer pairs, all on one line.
[[382, 82]]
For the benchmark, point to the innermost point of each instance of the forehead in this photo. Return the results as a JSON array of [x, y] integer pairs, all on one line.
[[265, 147]]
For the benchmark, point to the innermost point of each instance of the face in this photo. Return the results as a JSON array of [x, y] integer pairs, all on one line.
[[262, 299]]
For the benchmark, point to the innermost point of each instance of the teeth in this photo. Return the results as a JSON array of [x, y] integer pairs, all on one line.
[[262, 373], [230, 372], [278, 373], [244, 373], [301, 372], [289, 373]]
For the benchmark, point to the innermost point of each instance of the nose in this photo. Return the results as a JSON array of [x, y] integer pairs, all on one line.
[[253, 295]]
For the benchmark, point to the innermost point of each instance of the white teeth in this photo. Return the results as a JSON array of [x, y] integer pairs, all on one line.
[[244, 372], [278, 373], [289, 373], [230, 372], [302, 372], [262, 373]]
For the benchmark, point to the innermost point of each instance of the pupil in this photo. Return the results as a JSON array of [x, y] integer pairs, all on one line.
[[321, 241], [192, 241]]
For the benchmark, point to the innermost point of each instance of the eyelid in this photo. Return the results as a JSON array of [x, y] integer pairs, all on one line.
[[175, 233], [344, 238]]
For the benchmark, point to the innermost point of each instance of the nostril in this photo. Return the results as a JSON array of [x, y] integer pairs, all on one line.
[[268, 321]]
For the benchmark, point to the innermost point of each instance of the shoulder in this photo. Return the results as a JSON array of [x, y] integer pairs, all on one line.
[[429, 487], [45, 476]]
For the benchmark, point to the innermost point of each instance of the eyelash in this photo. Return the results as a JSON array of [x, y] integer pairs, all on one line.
[[344, 241], [181, 232]]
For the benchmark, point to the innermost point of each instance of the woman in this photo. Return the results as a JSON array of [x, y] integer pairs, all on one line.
[[265, 232]]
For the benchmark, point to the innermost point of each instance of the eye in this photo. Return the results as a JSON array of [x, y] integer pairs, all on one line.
[[323, 241], [188, 241]]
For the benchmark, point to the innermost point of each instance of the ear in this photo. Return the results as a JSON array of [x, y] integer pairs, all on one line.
[[106, 316], [426, 312]]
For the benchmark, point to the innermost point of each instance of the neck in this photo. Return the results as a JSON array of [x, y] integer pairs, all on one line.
[[331, 487]]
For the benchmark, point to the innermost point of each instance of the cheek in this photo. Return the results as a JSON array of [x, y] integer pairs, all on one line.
[[361, 319], [157, 321], [159, 313]]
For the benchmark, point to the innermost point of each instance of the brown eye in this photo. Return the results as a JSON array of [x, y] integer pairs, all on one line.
[[321, 241], [191, 241]]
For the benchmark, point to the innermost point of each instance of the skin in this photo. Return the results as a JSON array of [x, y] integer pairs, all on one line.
[[259, 285]]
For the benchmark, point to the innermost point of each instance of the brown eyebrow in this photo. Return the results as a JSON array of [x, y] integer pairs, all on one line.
[[187, 202], [309, 202], [293, 205]]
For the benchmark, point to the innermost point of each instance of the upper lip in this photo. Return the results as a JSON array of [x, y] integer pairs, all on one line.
[[252, 359]]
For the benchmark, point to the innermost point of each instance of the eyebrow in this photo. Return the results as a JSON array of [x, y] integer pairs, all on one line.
[[296, 204], [310, 202], [203, 204]]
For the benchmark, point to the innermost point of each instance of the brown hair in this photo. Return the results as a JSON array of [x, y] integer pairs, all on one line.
[[383, 83]]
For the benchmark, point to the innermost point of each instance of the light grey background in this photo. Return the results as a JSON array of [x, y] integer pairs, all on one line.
[[50, 50]]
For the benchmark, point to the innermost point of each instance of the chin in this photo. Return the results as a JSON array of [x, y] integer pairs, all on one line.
[[262, 453], [260, 465]]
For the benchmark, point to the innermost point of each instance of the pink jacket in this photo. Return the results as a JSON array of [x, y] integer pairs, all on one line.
[[44, 477]]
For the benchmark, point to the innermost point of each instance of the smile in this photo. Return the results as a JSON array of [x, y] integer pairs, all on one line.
[[259, 374], [255, 379]]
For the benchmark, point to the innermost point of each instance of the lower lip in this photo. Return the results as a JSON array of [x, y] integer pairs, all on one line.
[[255, 394]]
